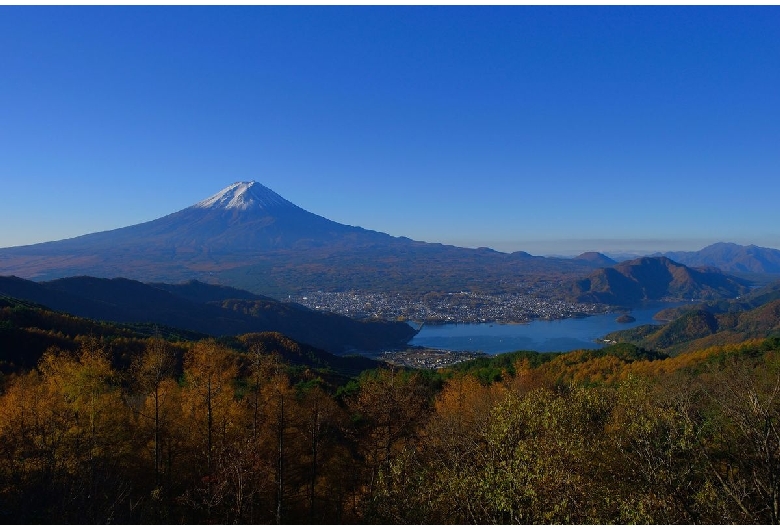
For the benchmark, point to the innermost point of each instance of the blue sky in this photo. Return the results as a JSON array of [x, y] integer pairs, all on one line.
[[552, 130]]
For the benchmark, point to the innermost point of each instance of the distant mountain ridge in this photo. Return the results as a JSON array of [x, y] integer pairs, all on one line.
[[203, 308], [596, 258], [730, 257], [634, 281], [249, 237]]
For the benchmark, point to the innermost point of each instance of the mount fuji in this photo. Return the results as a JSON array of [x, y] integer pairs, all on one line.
[[245, 216], [249, 237]]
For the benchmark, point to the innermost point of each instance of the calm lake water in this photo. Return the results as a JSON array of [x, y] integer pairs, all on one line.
[[539, 335]]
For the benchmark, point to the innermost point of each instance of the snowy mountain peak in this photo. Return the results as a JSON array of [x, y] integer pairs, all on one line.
[[244, 196]]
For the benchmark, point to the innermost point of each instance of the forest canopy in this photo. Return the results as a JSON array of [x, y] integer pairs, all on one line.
[[113, 426]]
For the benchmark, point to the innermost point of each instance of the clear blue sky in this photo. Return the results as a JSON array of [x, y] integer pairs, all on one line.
[[545, 129]]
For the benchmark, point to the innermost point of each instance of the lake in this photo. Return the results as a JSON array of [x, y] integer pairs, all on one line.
[[539, 335]]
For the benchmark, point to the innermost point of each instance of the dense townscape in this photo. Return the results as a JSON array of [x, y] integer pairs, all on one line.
[[427, 358], [460, 307]]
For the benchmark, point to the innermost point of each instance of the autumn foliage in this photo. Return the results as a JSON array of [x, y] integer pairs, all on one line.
[[128, 430]]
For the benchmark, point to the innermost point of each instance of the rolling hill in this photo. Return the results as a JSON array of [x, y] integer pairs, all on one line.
[[642, 279], [27, 330], [733, 258], [596, 258], [207, 309], [699, 328]]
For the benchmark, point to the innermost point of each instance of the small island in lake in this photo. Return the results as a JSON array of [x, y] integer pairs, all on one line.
[[625, 319]]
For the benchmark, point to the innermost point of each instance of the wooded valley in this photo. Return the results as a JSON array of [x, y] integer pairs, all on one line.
[[110, 426]]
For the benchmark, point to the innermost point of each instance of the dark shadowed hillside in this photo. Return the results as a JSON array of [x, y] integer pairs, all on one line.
[[204, 292], [28, 330], [126, 301], [751, 300], [699, 328]]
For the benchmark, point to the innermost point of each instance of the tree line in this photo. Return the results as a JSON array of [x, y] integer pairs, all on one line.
[[205, 432]]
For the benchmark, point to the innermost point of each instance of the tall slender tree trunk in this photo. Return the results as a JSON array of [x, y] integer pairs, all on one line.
[[314, 450], [280, 462], [157, 435], [210, 422], [257, 407]]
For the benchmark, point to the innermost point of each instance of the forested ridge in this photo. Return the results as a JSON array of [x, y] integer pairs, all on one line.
[[113, 426], [206, 309], [699, 326]]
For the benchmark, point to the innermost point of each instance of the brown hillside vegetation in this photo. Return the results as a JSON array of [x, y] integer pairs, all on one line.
[[200, 431], [653, 279], [700, 328]]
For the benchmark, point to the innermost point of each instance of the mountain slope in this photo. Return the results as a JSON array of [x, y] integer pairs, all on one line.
[[730, 257], [654, 279], [27, 330], [247, 236], [129, 301], [596, 258], [698, 329], [755, 298]]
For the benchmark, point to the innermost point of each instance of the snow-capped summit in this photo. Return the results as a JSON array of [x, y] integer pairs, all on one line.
[[249, 237], [244, 196]]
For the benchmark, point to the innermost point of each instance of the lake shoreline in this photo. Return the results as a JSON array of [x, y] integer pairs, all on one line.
[[542, 335]]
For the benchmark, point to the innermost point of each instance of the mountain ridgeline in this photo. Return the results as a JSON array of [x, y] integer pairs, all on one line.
[[248, 237], [733, 258], [658, 278], [710, 323], [29, 330], [207, 309], [699, 328]]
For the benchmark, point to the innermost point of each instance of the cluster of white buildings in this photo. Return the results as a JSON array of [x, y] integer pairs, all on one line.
[[460, 307]]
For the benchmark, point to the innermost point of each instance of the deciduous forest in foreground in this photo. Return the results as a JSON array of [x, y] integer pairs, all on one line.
[[111, 427]]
